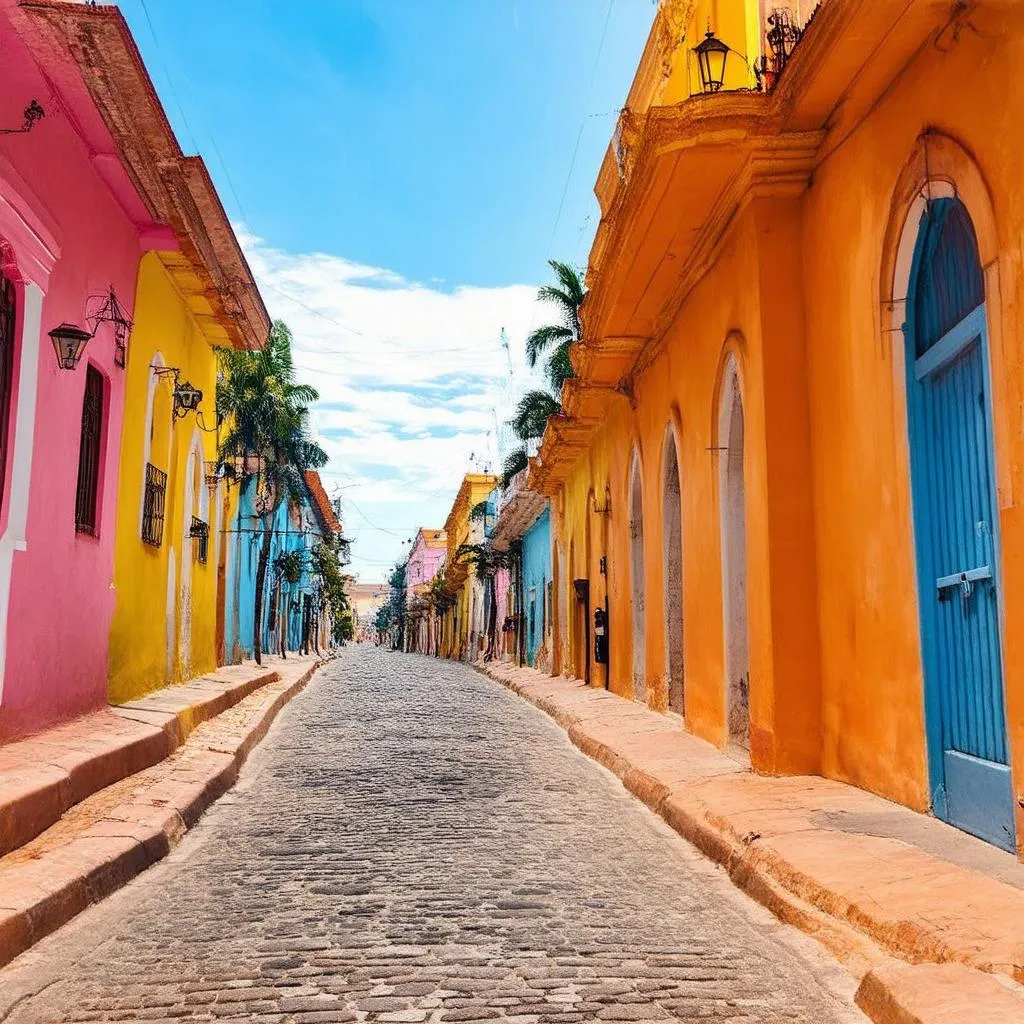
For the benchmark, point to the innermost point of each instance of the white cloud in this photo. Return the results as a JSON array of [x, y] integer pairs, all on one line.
[[412, 381]]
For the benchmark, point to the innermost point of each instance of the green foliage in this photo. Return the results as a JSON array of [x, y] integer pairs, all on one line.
[[325, 564], [567, 296], [484, 559], [536, 407], [289, 565], [384, 618], [344, 627], [481, 510], [559, 368], [540, 340], [265, 415], [532, 414], [515, 461]]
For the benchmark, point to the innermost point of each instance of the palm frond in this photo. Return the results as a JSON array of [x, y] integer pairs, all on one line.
[[538, 341], [559, 368], [532, 414], [515, 462]]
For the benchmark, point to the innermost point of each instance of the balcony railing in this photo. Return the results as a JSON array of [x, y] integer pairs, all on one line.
[[783, 30]]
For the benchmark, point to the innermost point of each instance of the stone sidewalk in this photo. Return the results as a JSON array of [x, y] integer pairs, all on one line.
[[87, 806], [879, 885]]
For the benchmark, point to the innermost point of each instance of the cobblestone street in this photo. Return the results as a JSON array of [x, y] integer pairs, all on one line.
[[415, 843]]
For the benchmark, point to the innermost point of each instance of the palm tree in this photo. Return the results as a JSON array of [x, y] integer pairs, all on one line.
[[535, 407], [567, 296], [267, 416], [532, 414], [515, 461], [486, 561]]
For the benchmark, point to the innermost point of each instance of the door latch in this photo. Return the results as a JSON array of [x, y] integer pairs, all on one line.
[[962, 581]]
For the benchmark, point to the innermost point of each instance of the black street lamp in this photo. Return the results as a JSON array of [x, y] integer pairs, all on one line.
[[111, 311], [186, 398], [69, 341], [712, 55]]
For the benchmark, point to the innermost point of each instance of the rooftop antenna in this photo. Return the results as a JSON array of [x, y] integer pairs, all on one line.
[[508, 350]]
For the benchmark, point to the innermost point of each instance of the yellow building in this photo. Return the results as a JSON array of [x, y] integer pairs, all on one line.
[[463, 624], [195, 293]]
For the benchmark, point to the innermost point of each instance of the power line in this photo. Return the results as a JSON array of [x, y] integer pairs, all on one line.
[[583, 121], [167, 75]]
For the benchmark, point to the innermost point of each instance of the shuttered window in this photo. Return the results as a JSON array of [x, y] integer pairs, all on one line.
[[8, 321], [86, 500]]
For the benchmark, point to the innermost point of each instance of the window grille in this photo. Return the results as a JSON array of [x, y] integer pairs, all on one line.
[[86, 518], [153, 506], [8, 320], [200, 532]]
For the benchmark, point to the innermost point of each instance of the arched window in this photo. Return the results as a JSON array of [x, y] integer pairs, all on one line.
[[8, 326], [672, 557], [734, 557], [637, 582]]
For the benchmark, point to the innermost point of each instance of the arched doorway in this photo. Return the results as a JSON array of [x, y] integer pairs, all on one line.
[[956, 526], [672, 558], [636, 576], [734, 559]]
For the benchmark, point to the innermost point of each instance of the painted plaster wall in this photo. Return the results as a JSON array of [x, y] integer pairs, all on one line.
[[152, 583], [292, 531], [679, 391], [871, 662], [800, 296], [65, 238], [536, 576], [424, 561], [463, 625]]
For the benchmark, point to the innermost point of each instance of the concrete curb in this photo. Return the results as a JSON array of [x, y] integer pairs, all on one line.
[[40, 896], [69, 764], [891, 992]]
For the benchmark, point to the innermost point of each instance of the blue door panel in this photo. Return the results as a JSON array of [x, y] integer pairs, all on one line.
[[956, 527], [957, 552], [978, 796]]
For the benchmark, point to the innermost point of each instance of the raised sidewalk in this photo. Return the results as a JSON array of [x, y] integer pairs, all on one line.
[[930, 919], [87, 806]]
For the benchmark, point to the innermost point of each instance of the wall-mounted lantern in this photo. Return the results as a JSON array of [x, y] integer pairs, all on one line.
[[603, 510], [712, 55], [69, 341], [32, 114], [186, 397], [109, 310]]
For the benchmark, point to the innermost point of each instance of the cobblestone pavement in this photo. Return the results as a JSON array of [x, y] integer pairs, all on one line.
[[414, 843]]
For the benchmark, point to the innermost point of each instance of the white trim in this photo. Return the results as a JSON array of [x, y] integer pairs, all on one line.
[[194, 465], [157, 362], [23, 431]]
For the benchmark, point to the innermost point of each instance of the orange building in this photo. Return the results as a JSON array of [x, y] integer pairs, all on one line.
[[790, 465]]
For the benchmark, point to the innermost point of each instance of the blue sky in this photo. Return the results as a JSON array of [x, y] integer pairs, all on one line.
[[396, 169]]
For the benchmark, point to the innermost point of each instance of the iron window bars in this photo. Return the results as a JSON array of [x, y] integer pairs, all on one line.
[[200, 532], [153, 506], [87, 491], [8, 318]]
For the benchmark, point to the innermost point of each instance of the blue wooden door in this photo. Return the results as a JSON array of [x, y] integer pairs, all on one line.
[[956, 529]]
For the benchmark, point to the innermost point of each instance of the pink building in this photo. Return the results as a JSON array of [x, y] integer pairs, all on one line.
[[425, 560], [72, 226]]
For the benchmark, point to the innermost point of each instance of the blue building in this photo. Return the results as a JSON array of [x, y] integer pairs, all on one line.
[[294, 611], [524, 527], [536, 586]]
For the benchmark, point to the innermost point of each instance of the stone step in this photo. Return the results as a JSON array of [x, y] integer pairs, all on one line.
[[44, 775], [114, 833]]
